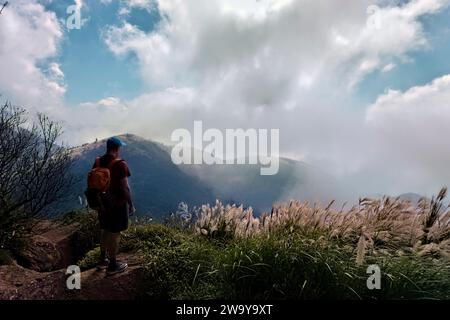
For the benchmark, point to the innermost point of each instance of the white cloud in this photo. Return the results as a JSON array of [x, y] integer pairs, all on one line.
[[140, 3], [128, 5], [152, 115], [55, 71], [209, 40], [292, 65], [29, 38], [105, 102], [410, 129], [389, 67], [250, 64]]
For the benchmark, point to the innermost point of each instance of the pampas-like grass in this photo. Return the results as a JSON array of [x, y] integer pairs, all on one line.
[[376, 224], [360, 250]]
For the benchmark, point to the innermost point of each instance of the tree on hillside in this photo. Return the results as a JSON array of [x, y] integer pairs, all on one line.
[[34, 172]]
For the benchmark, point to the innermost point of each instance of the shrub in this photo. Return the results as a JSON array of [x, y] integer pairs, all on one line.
[[34, 173], [90, 259]]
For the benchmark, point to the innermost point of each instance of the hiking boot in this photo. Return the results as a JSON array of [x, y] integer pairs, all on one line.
[[117, 267], [102, 264]]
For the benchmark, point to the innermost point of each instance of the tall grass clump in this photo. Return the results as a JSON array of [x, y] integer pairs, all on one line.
[[374, 226]]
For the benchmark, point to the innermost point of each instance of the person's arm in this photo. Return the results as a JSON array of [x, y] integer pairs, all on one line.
[[124, 173], [127, 193]]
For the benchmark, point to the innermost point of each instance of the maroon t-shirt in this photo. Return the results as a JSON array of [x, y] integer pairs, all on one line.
[[118, 171]]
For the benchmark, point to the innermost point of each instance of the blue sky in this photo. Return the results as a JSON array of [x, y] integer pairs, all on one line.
[[92, 72], [425, 66]]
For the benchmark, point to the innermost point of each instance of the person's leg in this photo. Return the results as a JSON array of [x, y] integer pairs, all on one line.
[[103, 260], [113, 248], [119, 222], [103, 243]]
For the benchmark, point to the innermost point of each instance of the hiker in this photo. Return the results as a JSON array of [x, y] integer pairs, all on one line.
[[115, 203]]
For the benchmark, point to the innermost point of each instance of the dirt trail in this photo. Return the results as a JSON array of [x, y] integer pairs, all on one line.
[[95, 285], [51, 251], [18, 283]]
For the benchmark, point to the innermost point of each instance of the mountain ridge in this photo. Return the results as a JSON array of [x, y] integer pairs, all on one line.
[[158, 185]]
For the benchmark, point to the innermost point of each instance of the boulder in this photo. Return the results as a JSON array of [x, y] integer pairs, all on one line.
[[50, 249], [18, 283]]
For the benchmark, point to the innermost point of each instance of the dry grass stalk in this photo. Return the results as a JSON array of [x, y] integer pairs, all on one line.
[[376, 224]]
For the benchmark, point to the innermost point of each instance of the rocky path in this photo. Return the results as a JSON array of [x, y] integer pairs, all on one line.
[[41, 274]]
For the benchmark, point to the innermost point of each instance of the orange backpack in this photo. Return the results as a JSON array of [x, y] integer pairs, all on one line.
[[98, 182], [99, 178]]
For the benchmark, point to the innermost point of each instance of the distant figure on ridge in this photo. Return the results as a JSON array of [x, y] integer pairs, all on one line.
[[109, 193]]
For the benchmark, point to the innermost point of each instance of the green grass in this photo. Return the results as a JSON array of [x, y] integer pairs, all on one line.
[[287, 265]]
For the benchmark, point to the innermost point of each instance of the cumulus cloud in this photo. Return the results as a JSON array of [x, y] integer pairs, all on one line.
[[411, 128], [388, 67], [286, 64], [140, 3], [106, 102], [29, 38], [55, 71], [128, 5], [292, 65], [291, 42], [152, 115]]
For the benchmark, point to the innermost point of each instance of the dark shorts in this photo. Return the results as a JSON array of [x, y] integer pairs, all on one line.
[[115, 220]]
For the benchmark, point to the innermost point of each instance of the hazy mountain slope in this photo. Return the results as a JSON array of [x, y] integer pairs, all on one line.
[[244, 184], [157, 184], [414, 198]]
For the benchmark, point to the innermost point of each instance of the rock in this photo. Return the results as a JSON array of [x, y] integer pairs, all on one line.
[[42, 255], [20, 283], [40, 271], [50, 250], [95, 285]]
